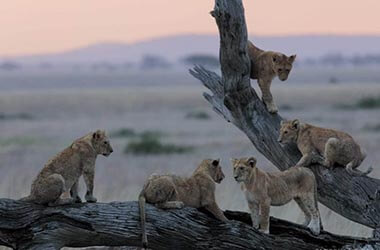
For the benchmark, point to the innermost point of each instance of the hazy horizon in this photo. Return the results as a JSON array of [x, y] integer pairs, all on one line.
[[74, 24], [165, 37], [71, 67]]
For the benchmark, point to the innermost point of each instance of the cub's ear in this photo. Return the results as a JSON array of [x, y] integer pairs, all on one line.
[[251, 161], [275, 58], [292, 58], [97, 134], [215, 163], [234, 161], [295, 124]]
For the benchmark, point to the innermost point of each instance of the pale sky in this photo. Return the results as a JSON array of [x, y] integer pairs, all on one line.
[[40, 26]]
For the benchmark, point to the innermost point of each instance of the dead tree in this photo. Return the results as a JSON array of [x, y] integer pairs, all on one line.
[[356, 198], [28, 226]]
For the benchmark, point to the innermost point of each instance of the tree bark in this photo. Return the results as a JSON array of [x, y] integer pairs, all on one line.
[[356, 198], [29, 226]]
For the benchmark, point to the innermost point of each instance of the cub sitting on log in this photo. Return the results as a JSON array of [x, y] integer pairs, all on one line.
[[266, 65], [60, 175], [313, 142], [171, 191], [264, 189]]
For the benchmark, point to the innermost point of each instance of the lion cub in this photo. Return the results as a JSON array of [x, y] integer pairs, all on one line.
[[266, 65], [313, 142], [171, 191], [61, 174], [265, 189]]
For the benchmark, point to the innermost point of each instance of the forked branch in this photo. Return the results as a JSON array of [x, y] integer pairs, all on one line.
[[232, 97]]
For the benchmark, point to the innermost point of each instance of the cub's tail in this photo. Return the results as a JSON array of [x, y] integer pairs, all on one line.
[[360, 173], [142, 201]]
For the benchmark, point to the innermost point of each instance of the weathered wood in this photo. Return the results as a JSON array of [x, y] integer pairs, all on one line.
[[28, 226], [355, 198]]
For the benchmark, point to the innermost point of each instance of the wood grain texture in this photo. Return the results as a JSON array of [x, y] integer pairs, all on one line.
[[356, 198], [29, 226]]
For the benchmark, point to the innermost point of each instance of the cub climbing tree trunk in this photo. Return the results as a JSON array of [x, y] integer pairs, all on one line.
[[356, 198], [28, 226]]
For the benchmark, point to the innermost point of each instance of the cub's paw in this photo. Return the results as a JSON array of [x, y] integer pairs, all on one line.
[[67, 201], [315, 227], [273, 110], [265, 231], [271, 107], [327, 163], [77, 199], [60, 202], [91, 199], [179, 204]]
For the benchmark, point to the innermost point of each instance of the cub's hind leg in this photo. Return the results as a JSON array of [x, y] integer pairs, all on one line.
[[162, 193], [49, 190], [331, 151], [337, 151], [74, 193], [304, 209], [310, 203]]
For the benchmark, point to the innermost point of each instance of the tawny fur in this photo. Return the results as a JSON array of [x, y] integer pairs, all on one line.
[[264, 189], [265, 66], [57, 182], [336, 147], [171, 191]]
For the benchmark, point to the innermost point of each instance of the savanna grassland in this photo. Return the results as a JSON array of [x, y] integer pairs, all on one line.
[[166, 110]]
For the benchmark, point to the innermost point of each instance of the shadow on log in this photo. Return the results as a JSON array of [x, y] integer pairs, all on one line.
[[28, 226], [356, 198]]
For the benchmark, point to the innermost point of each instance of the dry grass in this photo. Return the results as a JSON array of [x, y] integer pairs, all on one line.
[[63, 115]]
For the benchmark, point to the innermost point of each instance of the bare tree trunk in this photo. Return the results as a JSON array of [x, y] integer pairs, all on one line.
[[28, 226], [356, 198]]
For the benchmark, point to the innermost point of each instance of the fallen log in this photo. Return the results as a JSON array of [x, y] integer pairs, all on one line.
[[29, 226]]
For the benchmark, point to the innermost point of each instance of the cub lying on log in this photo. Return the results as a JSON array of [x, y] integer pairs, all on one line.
[[266, 65], [313, 142], [264, 189], [61, 174], [171, 191]]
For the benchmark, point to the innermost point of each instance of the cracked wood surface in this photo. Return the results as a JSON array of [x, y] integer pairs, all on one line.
[[29, 226]]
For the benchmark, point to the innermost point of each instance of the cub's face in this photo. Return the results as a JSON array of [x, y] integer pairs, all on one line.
[[215, 170], [282, 65], [289, 131], [243, 168], [101, 143]]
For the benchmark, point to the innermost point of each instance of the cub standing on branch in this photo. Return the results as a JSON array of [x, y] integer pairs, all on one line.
[[60, 175], [266, 65], [313, 142], [264, 189], [171, 191]]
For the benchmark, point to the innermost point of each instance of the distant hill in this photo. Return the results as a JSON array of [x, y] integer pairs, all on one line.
[[176, 47]]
